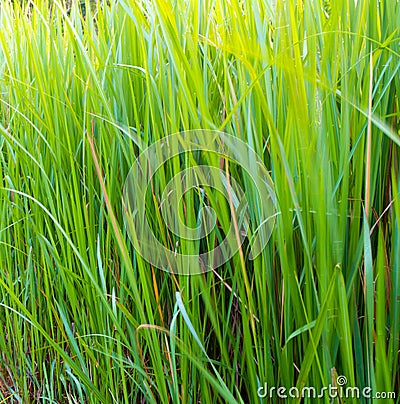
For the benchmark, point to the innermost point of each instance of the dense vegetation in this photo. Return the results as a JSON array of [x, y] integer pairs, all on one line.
[[311, 86]]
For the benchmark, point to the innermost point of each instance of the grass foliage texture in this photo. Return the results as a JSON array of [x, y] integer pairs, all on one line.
[[311, 86]]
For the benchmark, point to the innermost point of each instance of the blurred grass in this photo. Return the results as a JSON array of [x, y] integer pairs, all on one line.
[[311, 86]]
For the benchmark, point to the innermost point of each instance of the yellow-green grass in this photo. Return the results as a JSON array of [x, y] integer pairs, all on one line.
[[311, 86]]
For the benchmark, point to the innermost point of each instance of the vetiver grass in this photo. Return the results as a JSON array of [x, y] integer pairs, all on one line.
[[311, 86]]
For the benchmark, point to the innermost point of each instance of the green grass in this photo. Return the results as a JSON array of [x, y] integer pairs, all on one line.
[[311, 86]]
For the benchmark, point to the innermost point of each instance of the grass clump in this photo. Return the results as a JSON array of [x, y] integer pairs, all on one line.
[[312, 87]]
